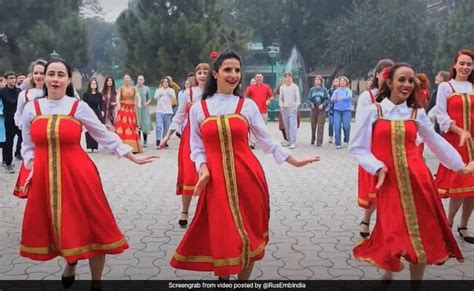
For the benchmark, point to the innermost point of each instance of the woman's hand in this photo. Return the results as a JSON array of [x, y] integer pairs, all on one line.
[[204, 177], [469, 169], [464, 136], [302, 162], [381, 173], [165, 139], [140, 160], [28, 181]]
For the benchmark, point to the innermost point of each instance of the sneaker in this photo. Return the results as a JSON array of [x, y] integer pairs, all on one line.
[[346, 144], [9, 169], [330, 139], [144, 144], [338, 147], [292, 146], [285, 143], [18, 157]]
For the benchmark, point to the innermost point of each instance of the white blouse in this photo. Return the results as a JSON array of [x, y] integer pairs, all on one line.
[[444, 90], [83, 113], [32, 95], [179, 118], [163, 98], [226, 104], [360, 144], [363, 101]]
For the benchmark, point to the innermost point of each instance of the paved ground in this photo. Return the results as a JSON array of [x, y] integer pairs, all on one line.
[[314, 220]]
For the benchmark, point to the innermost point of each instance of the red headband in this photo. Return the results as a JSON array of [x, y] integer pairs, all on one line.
[[214, 55]]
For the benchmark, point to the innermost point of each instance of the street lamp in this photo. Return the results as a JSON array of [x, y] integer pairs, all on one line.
[[272, 54], [54, 55]]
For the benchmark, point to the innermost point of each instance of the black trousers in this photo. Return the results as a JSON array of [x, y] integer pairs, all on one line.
[[11, 130]]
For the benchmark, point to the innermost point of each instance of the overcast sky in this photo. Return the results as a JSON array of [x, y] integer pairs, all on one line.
[[113, 8]]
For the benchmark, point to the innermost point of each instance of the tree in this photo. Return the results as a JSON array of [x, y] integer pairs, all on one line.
[[33, 29], [171, 37], [377, 29], [457, 34]]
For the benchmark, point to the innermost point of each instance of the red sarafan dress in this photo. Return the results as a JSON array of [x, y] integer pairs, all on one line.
[[67, 213], [187, 174], [411, 222], [366, 182], [449, 183], [126, 122], [19, 190], [230, 227]]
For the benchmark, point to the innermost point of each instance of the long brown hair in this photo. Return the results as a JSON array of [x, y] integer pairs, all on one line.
[[466, 52], [113, 90]]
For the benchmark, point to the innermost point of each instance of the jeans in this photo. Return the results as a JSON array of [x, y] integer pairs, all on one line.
[[290, 120], [342, 118], [163, 121], [331, 124]]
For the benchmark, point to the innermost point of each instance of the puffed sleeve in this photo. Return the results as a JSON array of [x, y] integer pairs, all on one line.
[[19, 108], [261, 133], [444, 151], [364, 100], [180, 117], [99, 132], [198, 151], [360, 145], [27, 146], [442, 116]]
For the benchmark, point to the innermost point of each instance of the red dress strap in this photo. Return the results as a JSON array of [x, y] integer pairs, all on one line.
[[191, 94], [452, 88], [74, 108], [379, 110], [239, 105], [372, 97], [26, 96], [204, 109], [37, 107]]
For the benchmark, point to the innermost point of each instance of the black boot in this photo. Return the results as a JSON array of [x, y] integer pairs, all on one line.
[[69, 280]]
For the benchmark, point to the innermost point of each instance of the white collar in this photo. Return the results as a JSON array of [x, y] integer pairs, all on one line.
[[388, 106]]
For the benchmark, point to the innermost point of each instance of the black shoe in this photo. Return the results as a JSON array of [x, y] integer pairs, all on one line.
[[178, 134], [364, 234], [312, 143], [18, 157], [158, 143], [252, 146], [468, 239], [69, 280], [183, 222]]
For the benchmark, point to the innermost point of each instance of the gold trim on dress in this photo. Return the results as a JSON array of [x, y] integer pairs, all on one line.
[[218, 262], [363, 202], [185, 187], [456, 190], [373, 195], [228, 166], [68, 117], [467, 107], [404, 185], [73, 251]]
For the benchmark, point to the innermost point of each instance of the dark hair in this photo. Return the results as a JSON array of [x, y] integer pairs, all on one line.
[[466, 52], [190, 74], [8, 74], [211, 83], [70, 88], [288, 74], [382, 64], [105, 87], [89, 89], [20, 74], [385, 91]]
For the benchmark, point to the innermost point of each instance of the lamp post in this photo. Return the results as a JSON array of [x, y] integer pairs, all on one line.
[[54, 55], [272, 54]]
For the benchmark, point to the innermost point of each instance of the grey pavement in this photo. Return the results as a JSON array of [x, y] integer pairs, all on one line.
[[313, 226]]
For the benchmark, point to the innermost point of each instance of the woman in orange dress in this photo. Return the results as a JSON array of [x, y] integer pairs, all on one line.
[[67, 213], [455, 115], [230, 228], [187, 174], [411, 222], [126, 122], [25, 96]]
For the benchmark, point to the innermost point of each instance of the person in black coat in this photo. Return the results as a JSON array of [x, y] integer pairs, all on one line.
[[94, 99]]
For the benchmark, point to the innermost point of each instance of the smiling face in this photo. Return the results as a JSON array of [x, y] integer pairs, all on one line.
[[402, 84], [57, 80], [201, 77], [228, 76], [38, 76], [127, 80], [165, 83], [463, 67]]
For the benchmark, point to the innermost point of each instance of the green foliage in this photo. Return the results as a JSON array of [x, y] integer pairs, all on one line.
[[171, 37], [33, 29], [457, 34], [377, 29]]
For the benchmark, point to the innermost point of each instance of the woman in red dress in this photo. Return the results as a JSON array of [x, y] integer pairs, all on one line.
[[455, 115], [187, 174], [64, 186], [411, 222], [230, 228], [126, 122], [366, 182], [25, 96]]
